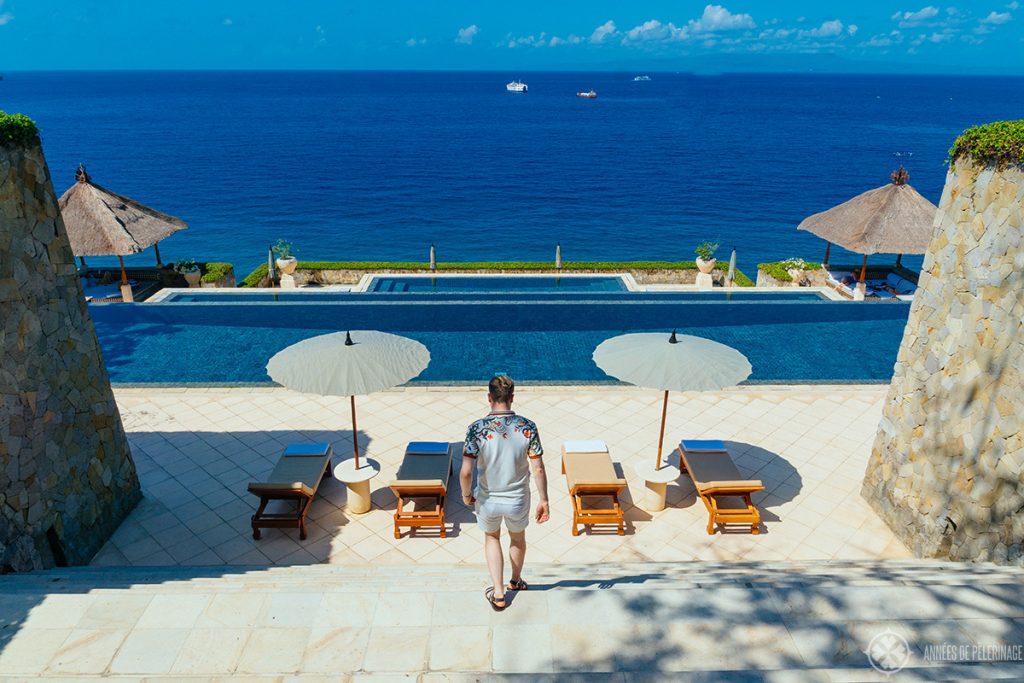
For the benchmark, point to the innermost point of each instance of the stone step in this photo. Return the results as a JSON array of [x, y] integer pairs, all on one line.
[[738, 621], [605, 576]]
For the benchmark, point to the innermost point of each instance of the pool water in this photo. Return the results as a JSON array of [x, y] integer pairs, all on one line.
[[330, 297], [534, 339], [483, 283]]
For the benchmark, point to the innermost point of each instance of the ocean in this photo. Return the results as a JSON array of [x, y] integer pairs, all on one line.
[[379, 165]]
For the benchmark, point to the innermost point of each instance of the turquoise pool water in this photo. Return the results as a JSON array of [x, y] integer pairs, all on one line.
[[534, 337], [484, 283], [331, 297]]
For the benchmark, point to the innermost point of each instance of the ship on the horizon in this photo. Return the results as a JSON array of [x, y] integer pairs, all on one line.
[[590, 95], [641, 78], [517, 86]]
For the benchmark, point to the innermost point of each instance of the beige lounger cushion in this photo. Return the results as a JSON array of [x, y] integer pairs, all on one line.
[[417, 483], [715, 470], [294, 473], [271, 488], [594, 469]]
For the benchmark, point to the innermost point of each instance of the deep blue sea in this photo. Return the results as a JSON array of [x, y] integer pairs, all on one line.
[[377, 165]]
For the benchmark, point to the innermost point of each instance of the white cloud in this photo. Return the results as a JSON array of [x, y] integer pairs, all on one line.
[[228, 22], [883, 40], [467, 34], [1013, 5], [936, 37], [414, 42], [654, 30], [571, 39], [718, 18], [997, 18], [828, 29], [5, 17], [852, 29], [527, 41], [921, 16], [603, 31]]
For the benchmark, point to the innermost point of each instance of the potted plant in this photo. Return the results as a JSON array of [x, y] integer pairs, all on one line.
[[189, 270], [286, 262], [706, 256]]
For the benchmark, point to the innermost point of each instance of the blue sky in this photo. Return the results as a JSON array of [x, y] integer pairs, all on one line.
[[975, 36]]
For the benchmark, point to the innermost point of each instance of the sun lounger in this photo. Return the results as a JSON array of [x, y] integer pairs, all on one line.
[[424, 473], [295, 478], [589, 473], [725, 493]]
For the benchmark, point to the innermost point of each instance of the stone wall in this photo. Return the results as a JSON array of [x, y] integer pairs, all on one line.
[[66, 474], [947, 468]]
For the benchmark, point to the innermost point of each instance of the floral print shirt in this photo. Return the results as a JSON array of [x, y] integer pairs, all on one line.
[[502, 445]]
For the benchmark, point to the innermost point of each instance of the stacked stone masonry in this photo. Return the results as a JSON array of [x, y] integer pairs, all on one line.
[[947, 468], [66, 474]]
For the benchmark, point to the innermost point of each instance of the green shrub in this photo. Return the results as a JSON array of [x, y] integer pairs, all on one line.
[[213, 272], [253, 278], [17, 129], [780, 269], [999, 144]]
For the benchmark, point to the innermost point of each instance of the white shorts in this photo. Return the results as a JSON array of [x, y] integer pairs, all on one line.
[[491, 512]]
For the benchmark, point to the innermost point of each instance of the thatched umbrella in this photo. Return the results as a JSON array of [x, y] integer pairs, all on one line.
[[892, 219], [102, 223]]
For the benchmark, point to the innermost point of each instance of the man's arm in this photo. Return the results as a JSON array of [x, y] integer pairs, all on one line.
[[540, 475], [466, 478]]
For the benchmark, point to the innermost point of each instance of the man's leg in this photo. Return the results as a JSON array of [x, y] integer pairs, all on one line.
[[495, 562], [517, 553]]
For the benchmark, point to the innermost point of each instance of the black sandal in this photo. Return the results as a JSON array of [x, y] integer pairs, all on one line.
[[519, 585], [489, 594]]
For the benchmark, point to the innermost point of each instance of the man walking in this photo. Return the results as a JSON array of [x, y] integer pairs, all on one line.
[[504, 448]]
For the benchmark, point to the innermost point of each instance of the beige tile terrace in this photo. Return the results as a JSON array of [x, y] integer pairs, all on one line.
[[196, 450]]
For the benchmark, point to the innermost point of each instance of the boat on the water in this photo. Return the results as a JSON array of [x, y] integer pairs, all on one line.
[[517, 86], [641, 78], [592, 94]]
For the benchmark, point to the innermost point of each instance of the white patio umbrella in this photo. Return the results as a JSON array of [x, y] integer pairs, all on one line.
[[671, 363], [354, 363]]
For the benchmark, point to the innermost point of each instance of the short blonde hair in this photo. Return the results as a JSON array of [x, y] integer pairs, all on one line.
[[501, 388]]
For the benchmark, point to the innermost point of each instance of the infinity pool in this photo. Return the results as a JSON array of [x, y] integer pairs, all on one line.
[[535, 338], [216, 297], [504, 283]]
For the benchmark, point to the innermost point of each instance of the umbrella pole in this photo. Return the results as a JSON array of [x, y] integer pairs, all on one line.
[[828, 248], [661, 435], [124, 276], [355, 432], [157, 247], [899, 259], [864, 269]]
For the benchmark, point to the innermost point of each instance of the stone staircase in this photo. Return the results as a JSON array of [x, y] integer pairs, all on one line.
[[621, 622]]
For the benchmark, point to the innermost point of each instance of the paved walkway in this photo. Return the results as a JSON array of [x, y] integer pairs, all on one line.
[[608, 622], [197, 449]]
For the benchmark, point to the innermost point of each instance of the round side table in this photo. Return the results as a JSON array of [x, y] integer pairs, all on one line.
[[656, 482], [358, 482]]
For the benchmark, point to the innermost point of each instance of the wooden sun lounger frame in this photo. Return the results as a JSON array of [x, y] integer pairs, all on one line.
[[297, 492], [749, 514], [430, 488], [587, 516]]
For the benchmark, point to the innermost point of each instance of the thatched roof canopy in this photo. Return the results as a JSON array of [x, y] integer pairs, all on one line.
[[893, 219], [102, 223]]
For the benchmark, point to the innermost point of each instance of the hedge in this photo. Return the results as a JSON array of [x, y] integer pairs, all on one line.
[[213, 272], [255, 276], [999, 144], [780, 269], [17, 129]]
